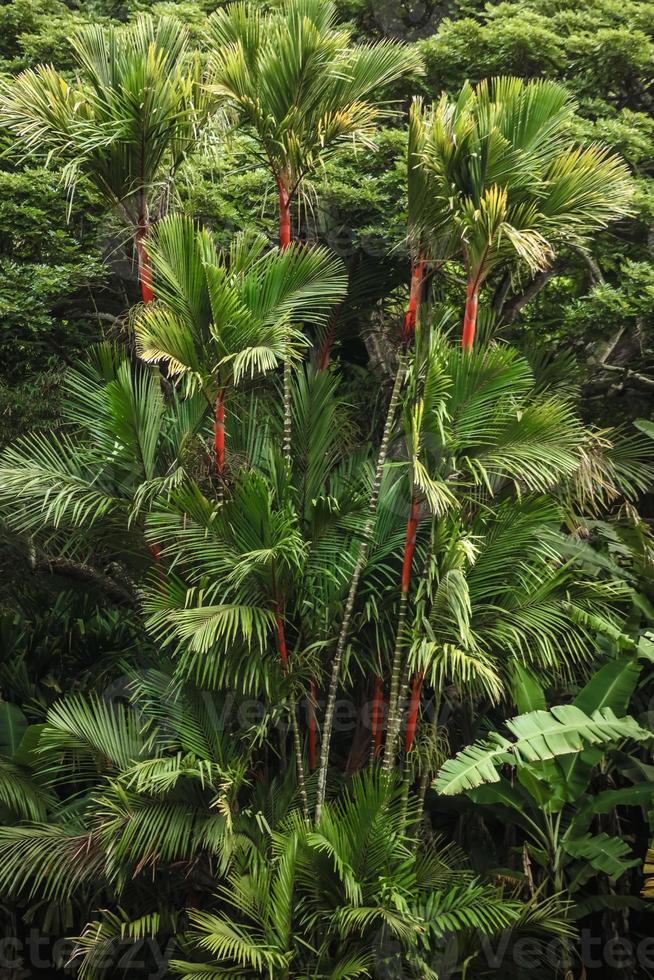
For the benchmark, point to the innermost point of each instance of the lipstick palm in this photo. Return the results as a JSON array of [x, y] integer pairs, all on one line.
[[220, 318], [476, 430], [126, 122], [300, 85], [516, 186]]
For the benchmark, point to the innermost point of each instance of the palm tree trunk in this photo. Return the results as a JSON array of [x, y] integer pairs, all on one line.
[[377, 715], [284, 215], [311, 723], [281, 638], [219, 440], [145, 265], [470, 316], [344, 632], [288, 413], [394, 710], [394, 716], [299, 764], [414, 708], [326, 350], [418, 269]]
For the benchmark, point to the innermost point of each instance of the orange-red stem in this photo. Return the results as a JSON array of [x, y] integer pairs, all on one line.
[[414, 708], [281, 639], [145, 266], [219, 433], [284, 215], [410, 543], [418, 270], [470, 316]]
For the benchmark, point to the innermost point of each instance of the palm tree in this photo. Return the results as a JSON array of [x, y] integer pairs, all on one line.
[[126, 122], [309, 903], [488, 452], [501, 159], [221, 319], [300, 85], [502, 148], [165, 780], [80, 495]]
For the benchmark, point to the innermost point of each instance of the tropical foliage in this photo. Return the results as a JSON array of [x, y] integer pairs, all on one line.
[[326, 632]]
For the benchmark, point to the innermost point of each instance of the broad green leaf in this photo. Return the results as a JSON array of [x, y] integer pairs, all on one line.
[[603, 853], [13, 725], [539, 735], [526, 690], [645, 426], [611, 687]]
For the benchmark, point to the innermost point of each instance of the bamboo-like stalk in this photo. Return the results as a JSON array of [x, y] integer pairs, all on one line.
[[393, 725], [377, 715], [299, 762], [288, 413], [414, 709], [311, 724], [344, 632]]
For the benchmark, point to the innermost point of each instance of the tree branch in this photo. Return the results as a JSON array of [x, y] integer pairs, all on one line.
[[86, 574], [511, 309]]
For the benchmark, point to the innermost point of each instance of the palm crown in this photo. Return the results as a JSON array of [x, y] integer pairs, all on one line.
[[220, 319], [122, 442], [509, 179], [126, 122], [297, 80]]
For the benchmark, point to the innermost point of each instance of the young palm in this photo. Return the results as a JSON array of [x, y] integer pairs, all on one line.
[[516, 186], [126, 122], [137, 808], [309, 903], [221, 319], [300, 85], [81, 494]]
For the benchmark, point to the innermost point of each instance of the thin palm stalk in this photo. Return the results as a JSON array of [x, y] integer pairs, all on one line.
[[414, 709], [346, 622], [377, 715], [299, 763], [311, 724], [394, 712]]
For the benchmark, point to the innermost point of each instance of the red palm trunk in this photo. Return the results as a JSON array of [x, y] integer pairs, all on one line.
[[281, 638], [470, 316], [377, 715], [410, 543], [219, 433], [145, 265], [414, 708], [284, 215], [418, 270]]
